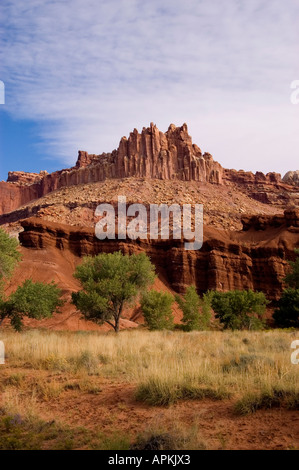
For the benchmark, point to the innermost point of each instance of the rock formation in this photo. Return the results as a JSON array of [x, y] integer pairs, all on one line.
[[149, 154], [14, 195], [291, 177], [23, 178]]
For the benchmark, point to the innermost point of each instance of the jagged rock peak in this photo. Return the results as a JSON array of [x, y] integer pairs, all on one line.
[[154, 154]]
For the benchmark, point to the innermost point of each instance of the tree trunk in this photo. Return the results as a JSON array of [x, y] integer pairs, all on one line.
[[116, 327], [117, 318]]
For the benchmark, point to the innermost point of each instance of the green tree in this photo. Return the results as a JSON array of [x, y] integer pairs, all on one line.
[[287, 313], [239, 310], [196, 311], [292, 278], [9, 255], [33, 299], [156, 309], [109, 282]]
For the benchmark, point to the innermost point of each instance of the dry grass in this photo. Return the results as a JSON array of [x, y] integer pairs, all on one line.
[[45, 369], [165, 366]]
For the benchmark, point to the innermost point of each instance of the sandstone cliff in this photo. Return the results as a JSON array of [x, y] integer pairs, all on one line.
[[254, 258]]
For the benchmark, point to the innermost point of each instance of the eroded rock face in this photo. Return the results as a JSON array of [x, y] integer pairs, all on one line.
[[263, 222], [247, 177], [292, 177], [151, 154], [252, 259], [13, 195], [172, 155], [23, 178]]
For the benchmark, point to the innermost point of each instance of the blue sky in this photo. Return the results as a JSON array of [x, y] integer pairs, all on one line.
[[81, 74]]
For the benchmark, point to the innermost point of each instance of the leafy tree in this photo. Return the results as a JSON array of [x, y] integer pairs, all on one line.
[[287, 313], [292, 278], [32, 299], [156, 309], [9, 255], [196, 311], [109, 282], [239, 310]]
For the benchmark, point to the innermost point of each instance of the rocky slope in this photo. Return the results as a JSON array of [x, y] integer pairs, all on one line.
[[223, 205]]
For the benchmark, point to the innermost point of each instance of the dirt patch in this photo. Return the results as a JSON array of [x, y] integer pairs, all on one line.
[[214, 424]]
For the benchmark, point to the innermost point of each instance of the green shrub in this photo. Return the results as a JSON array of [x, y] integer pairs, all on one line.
[[238, 310], [287, 313], [292, 277], [9, 255], [196, 311], [157, 392], [266, 399], [156, 309], [32, 299]]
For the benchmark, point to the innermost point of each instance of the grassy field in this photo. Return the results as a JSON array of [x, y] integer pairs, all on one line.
[[249, 371]]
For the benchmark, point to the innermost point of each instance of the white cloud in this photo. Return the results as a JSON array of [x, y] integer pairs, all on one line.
[[91, 71]]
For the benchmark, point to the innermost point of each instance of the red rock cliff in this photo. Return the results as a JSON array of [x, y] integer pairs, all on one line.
[[254, 258]]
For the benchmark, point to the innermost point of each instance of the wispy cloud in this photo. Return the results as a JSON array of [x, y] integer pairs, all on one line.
[[90, 71]]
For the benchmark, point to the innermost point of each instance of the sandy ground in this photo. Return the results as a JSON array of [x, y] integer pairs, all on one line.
[[216, 425]]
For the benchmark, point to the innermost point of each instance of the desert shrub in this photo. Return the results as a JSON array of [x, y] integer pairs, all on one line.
[[156, 309], [155, 442], [272, 398], [178, 437], [292, 277], [114, 441], [86, 361], [14, 380], [20, 433], [238, 310], [245, 362], [196, 311], [287, 313], [33, 299], [9, 255], [157, 392]]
